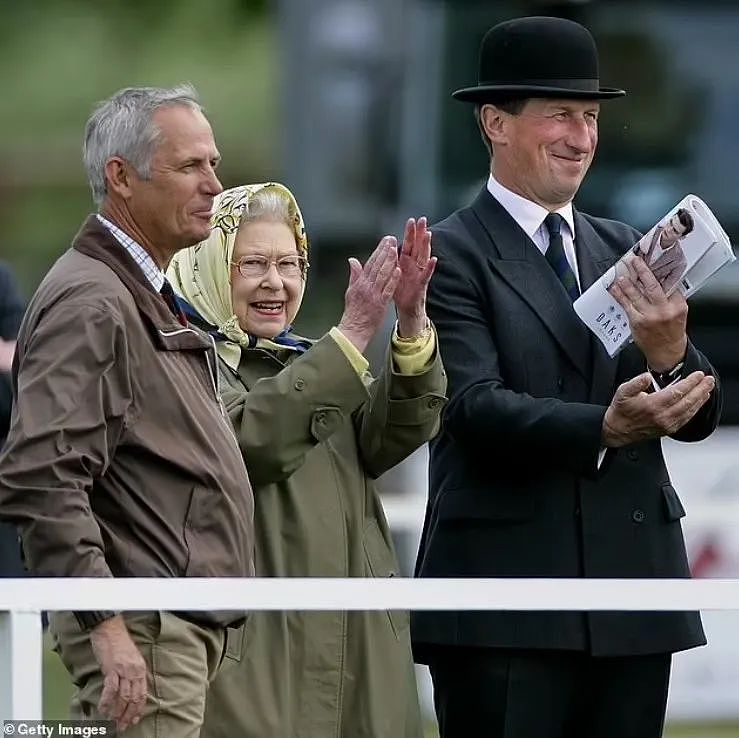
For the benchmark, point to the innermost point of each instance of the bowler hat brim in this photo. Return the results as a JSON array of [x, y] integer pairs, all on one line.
[[489, 93]]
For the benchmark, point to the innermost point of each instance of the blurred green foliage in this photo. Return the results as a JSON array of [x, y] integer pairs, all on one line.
[[59, 58]]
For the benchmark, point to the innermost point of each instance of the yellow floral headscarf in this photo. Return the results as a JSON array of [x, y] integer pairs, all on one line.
[[202, 274]]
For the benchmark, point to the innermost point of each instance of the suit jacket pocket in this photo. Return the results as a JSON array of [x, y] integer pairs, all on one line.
[[474, 503], [673, 508]]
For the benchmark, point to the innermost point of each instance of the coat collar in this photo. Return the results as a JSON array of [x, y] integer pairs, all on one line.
[[97, 242], [527, 272], [529, 215]]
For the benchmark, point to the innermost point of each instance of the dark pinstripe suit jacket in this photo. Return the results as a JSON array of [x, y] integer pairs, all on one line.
[[515, 490]]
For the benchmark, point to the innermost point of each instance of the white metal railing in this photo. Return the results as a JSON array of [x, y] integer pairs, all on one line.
[[20, 663], [394, 593], [21, 601]]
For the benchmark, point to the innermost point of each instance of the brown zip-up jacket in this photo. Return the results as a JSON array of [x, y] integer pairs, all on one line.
[[120, 461]]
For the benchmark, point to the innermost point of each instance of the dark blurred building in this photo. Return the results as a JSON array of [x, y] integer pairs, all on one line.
[[372, 134], [11, 313]]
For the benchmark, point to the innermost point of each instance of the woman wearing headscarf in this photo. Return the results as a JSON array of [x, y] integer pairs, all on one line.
[[316, 430]]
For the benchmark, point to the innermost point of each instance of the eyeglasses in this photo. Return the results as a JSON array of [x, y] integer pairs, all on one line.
[[288, 267]]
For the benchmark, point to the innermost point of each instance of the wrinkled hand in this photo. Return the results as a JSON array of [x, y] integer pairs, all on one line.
[[635, 415], [7, 349], [124, 672], [416, 267], [371, 287], [658, 323]]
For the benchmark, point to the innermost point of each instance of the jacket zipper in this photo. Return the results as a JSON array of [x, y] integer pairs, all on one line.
[[214, 378]]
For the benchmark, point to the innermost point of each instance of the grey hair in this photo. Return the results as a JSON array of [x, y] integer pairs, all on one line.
[[122, 126], [267, 204]]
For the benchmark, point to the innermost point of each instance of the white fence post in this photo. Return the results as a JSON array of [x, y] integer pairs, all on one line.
[[20, 665]]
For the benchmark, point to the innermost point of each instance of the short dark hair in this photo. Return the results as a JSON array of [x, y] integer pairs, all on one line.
[[510, 105], [686, 219]]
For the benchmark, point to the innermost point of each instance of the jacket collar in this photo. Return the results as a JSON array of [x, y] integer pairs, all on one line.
[[97, 242]]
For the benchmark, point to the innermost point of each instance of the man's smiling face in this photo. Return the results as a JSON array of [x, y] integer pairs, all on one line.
[[544, 152]]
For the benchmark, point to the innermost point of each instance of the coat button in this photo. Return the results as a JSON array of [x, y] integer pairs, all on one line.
[[633, 454], [299, 384], [560, 383], [638, 516], [321, 418], [433, 403]]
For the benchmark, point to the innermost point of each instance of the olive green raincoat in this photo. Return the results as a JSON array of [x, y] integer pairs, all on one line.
[[315, 436]]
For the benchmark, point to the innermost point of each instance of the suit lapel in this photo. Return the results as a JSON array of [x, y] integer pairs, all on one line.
[[523, 267], [594, 258]]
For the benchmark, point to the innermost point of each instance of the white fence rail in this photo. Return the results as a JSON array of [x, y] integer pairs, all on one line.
[[21, 601], [394, 593]]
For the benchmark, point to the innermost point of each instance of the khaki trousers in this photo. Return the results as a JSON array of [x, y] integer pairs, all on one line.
[[182, 658]]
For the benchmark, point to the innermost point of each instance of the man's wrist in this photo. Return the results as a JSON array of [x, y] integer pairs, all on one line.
[[666, 360], [666, 378]]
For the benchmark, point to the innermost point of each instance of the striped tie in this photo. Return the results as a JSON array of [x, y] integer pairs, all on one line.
[[556, 255]]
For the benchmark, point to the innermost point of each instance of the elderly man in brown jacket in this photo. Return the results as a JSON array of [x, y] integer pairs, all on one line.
[[120, 460]]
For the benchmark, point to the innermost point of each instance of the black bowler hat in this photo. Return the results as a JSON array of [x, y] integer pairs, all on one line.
[[537, 57]]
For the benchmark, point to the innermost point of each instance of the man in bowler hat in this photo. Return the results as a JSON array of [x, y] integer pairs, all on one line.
[[549, 463]]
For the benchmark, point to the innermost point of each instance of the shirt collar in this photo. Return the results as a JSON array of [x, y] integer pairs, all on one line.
[[140, 255], [529, 215]]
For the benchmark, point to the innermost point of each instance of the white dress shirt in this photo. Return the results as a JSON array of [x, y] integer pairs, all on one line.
[[530, 217]]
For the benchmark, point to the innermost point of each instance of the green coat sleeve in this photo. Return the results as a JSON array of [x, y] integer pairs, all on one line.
[[402, 413], [282, 417]]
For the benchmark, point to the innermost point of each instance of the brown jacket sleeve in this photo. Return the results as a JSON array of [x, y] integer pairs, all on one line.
[[71, 394]]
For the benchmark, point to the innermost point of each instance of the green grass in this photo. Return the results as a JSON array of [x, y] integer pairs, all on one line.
[[682, 730], [703, 730], [57, 685]]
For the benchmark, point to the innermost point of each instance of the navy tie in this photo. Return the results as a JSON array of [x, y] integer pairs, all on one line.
[[556, 255]]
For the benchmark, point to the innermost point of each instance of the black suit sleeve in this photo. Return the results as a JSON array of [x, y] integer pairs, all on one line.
[[483, 412], [704, 422]]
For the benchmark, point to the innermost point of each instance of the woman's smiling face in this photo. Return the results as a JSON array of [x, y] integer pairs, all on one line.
[[265, 304]]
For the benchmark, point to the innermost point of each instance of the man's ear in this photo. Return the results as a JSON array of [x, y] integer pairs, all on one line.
[[118, 175], [493, 121]]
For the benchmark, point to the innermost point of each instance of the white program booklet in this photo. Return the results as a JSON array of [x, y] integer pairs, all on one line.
[[683, 250]]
